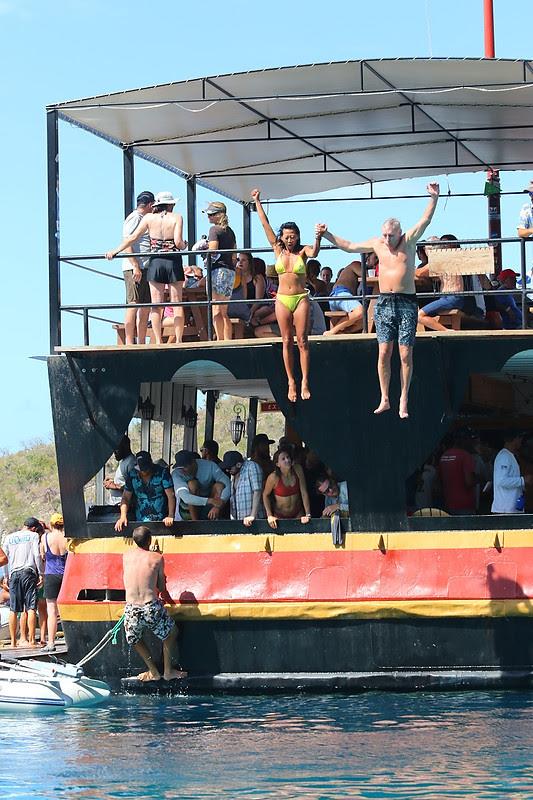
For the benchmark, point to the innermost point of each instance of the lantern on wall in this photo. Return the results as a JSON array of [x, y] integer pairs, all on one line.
[[238, 424], [146, 408]]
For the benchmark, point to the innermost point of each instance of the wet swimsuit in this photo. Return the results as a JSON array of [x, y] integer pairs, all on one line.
[[291, 301], [150, 616], [396, 317]]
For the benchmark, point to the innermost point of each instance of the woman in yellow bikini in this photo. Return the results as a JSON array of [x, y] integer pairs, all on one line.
[[292, 299]]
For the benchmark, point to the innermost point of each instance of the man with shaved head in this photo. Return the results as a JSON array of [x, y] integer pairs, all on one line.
[[396, 309]]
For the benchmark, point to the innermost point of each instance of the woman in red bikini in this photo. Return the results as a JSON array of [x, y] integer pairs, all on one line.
[[285, 494], [292, 299]]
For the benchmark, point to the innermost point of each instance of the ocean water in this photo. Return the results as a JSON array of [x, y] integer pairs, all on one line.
[[443, 745]]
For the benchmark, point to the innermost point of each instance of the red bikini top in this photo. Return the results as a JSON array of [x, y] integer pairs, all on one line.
[[281, 490]]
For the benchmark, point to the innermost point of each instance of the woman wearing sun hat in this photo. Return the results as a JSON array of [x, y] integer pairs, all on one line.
[[54, 554], [165, 268], [221, 237]]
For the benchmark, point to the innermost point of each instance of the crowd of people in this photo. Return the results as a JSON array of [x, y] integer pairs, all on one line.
[[292, 484], [476, 473], [32, 561], [154, 272]]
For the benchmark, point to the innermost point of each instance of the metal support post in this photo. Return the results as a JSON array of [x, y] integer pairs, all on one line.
[[210, 404], [364, 288], [209, 287], [54, 265], [167, 407], [525, 303], [129, 181], [99, 487], [251, 424], [246, 226], [191, 216]]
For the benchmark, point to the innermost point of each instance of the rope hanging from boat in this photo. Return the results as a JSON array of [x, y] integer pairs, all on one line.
[[109, 636]]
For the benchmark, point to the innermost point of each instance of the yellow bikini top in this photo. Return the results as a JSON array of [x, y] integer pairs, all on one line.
[[298, 268]]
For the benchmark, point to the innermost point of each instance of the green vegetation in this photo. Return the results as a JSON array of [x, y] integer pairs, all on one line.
[[28, 485], [28, 478]]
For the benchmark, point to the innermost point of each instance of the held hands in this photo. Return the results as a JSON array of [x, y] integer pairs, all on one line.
[[320, 229], [256, 195], [433, 189]]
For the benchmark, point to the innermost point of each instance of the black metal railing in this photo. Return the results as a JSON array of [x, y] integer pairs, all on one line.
[[365, 297]]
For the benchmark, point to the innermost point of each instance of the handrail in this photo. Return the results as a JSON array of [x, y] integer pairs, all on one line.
[[365, 298]]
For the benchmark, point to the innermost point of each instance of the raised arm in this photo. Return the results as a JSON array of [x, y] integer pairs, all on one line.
[[417, 230], [321, 230], [312, 250], [129, 240], [267, 227]]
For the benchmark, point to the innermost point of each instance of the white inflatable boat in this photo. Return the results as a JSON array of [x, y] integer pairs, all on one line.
[[43, 683]]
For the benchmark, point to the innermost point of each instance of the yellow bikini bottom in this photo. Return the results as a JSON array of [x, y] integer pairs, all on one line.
[[292, 301]]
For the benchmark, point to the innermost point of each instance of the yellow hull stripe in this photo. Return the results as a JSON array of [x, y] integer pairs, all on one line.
[[317, 542], [382, 609]]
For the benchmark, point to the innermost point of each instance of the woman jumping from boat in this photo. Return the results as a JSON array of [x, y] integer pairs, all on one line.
[[165, 266], [292, 300], [285, 495]]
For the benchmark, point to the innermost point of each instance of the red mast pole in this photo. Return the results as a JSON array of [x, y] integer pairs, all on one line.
[[492, 186], [489, 28]]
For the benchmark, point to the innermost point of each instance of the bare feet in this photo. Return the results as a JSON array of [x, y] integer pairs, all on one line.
[[292, 394], [306, 394], [383, 406], [175, 674], [146, 677], [13, 644], [403, 413], [23, 643]]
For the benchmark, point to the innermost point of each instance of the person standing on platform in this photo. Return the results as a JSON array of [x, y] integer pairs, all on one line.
[[134, 271], [396, 310], [145, 583], [20, 551], [509, 485], [54, 554]]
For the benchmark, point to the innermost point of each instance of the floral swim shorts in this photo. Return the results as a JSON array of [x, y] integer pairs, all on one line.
[[151, 616], [222, 280], [396, 317]]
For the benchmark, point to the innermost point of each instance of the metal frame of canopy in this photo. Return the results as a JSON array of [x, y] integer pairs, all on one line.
[[443, 115]]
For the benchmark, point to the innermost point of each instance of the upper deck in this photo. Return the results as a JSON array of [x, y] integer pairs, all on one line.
[[357, 123]]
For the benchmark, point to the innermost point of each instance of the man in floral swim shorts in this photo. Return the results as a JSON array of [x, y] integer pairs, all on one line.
[[144, 579], [396, 309]]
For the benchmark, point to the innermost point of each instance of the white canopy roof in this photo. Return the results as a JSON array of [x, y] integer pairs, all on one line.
[[306, 129]]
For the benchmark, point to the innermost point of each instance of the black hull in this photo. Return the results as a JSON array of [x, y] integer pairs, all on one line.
[[329, 655]]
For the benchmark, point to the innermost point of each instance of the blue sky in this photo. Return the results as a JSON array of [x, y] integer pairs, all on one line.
[[75, 48]]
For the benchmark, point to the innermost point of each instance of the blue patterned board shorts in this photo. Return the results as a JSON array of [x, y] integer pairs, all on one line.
[[396, 317], [222, 280], [151, 616]]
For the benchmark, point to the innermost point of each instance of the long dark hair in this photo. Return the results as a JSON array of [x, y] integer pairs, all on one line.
[[289, 226]]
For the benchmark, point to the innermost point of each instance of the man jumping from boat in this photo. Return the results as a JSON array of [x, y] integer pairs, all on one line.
[[396, 309], [144, 581]]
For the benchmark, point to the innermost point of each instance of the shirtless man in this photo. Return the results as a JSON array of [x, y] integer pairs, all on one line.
[[342, 298], [396, 310], [144, 580]]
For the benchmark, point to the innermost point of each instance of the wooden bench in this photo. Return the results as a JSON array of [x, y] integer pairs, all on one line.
[[339, 316], [191, 333]]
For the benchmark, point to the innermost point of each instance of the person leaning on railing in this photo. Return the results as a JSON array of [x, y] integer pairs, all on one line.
[[285, 495]]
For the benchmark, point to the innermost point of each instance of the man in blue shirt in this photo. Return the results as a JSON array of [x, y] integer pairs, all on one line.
[[201, 487], [151, 486]]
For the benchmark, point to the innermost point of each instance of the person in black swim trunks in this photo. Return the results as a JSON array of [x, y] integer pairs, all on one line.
[[166, 231], [396, 309]]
